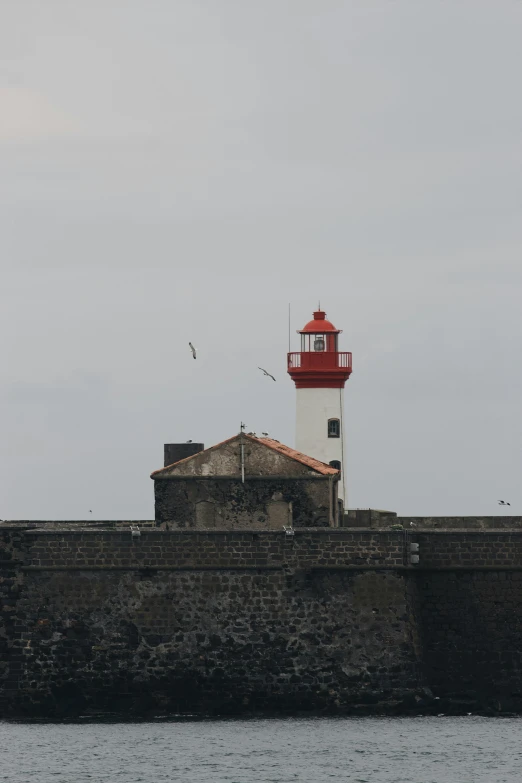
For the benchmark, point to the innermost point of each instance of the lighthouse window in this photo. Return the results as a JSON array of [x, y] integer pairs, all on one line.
[[335, 464], [334, 428], [319, 343]]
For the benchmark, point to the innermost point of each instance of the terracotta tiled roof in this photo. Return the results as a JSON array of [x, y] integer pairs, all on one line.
[[310, 462]]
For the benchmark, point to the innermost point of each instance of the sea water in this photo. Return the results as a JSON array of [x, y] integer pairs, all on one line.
[[359, 750]]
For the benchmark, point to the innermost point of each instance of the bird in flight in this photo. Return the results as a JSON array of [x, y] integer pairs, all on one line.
[[503, 503], [194, 350], [265, 434], [266, 373]]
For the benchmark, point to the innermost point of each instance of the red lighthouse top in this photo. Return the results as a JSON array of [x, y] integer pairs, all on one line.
[[319, 325], [319, 363]]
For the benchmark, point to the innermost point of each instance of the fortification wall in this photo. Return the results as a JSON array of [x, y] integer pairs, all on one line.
[[235, 621], [211, 622], [451, 523], [471, 626], [469, 592], [308, 548], [475, 549], [375, 518]]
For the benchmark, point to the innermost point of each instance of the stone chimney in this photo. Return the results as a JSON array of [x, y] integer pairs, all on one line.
[[173, 452]]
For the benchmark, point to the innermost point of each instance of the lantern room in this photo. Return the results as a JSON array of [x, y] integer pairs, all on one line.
[[319, 363], [319, 334]]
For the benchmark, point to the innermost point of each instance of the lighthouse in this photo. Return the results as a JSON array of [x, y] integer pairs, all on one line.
[[320, 371]]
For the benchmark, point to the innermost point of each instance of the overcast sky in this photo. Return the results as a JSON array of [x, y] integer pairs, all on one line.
[[178, 170]]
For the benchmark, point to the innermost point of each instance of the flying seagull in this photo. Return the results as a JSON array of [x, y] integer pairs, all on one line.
[[266, 373], [265, 434], [194, 350], [503, 503]]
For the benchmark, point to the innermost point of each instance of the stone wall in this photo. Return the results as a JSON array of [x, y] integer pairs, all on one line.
[[225, 622], [215, 641], [377, 518], [471, 626], [211, 623], [260, 503], [307, 548], [471, 549], [11, 582], [454, 523]]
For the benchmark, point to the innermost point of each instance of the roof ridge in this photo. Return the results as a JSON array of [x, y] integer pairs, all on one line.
[[270, 443]]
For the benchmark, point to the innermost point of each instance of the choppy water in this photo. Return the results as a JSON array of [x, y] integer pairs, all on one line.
[[361, 750]]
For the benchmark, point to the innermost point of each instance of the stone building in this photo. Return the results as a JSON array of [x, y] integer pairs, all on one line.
[[245, 481]]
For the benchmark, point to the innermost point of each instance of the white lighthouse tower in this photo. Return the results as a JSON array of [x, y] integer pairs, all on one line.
[[320, 371]]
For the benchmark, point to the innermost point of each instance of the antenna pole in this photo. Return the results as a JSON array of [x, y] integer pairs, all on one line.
[[288, 327], [242, 452]]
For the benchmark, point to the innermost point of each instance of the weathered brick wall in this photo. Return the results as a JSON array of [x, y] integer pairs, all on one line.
[[475, 549], [228, 621], [471, 626], [11, 579], [449, 523], [237, 505], [308, 548], [212, 623]]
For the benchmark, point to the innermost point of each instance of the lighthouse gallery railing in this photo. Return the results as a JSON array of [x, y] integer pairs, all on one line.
[[315, 360]]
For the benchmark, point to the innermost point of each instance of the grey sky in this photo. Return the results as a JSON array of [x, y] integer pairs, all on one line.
[[180, 170]]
